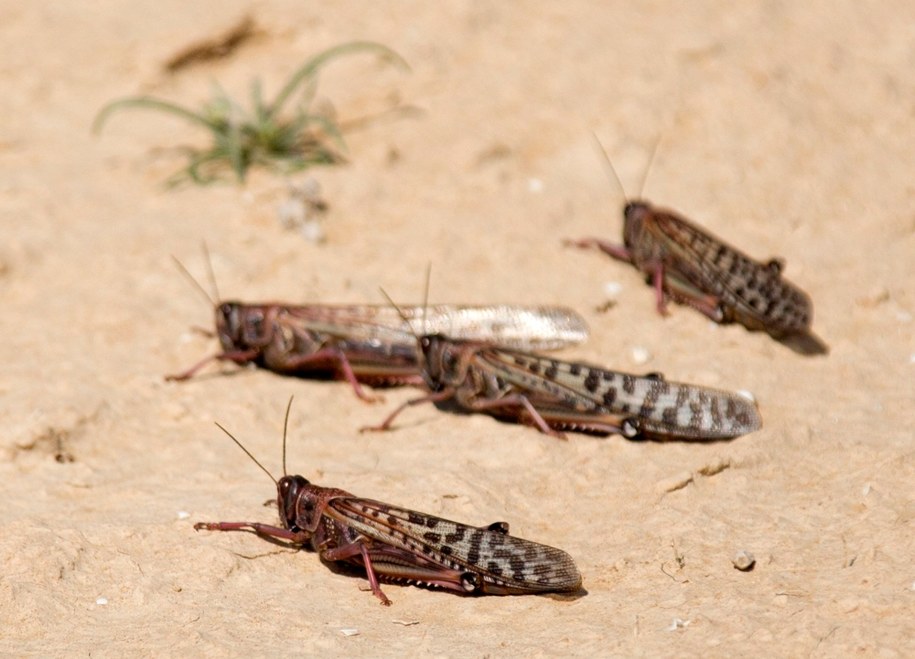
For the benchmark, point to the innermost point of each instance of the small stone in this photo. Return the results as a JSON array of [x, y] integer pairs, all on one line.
[[678, 623], [101, 601], [640, 355], [744, 560], [612, 289]]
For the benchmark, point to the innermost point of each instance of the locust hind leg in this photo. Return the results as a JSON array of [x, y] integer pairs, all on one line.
[[515, 401], [351, 550], [682, 292], [339, 360], [237, 356]]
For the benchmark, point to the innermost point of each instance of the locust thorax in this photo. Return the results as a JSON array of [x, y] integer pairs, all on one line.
[[297, 503]]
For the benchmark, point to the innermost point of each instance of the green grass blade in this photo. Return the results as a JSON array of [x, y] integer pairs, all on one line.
[[315, 63], [149, 103]]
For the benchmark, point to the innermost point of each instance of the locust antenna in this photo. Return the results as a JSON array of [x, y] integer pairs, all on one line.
[[210, 273], [654, 152], [426, 295], [247, 452], [603, 152], [285, 428], [194, 282], [400, 313]]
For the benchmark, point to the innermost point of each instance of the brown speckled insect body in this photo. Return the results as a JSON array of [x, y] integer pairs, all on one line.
[[406, 546]]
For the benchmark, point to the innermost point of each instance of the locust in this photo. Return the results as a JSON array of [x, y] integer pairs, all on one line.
[[405, 546], [556, 395], [691, 266], [371, 344]]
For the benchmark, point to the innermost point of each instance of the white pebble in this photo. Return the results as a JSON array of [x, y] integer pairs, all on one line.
[[678, 623], [291, 213], [313, 232], [612, 289], [183, 514], [349, 631], [101, 601], [640, 355], [744, 560]]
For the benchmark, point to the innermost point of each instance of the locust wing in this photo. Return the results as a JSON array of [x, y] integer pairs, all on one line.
[[755, 293], [522, 327], [505, 564]]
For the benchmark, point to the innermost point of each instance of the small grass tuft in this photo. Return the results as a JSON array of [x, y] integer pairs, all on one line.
[[263, 136]]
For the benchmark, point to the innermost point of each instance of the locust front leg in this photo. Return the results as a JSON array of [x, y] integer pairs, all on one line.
[[265, 530], [436, 397], [237, 356], [618, 252]]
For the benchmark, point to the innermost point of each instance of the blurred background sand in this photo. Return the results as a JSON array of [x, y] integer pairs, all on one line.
[[786, 128]]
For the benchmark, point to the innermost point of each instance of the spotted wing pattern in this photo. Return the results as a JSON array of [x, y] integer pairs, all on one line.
[[756, 292], [506, 564], [661, 407]]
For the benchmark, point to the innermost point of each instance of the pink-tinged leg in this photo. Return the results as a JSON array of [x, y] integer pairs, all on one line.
[[265, 530], [707, 305], [338, 357], [612, 249], [237, 356], [657, 280], [437, 397], [516, 400], [351, 550]]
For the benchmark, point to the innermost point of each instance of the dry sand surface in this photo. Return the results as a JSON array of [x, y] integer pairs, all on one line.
[[787, 128]]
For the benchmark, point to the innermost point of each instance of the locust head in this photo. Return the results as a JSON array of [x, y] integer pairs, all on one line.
[[242, 326], [437, 360], [228, 325], [297, 504]]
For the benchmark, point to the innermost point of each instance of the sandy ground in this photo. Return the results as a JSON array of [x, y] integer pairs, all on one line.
[[787, 128]]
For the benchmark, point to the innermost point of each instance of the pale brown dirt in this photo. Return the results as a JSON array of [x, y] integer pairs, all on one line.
[[787, 128]]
